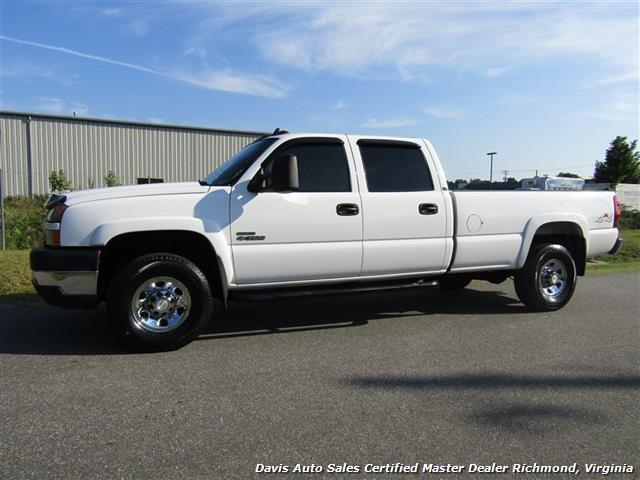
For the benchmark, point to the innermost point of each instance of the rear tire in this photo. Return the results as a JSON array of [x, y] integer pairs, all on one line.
[[548, 278], [160, 302]]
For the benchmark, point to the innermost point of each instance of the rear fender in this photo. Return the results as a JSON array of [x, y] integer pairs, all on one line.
[[534, 224]]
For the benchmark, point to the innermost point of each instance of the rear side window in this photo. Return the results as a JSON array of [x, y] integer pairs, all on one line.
[[322, 167], [395, 168]]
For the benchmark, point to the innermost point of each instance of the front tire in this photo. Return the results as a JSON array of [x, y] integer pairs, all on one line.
[[548, 278], [160, 302]]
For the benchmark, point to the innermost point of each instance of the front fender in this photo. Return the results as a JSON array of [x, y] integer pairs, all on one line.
[[216, 234]]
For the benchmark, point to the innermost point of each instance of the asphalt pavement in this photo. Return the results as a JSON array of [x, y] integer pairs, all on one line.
[[410, 377]]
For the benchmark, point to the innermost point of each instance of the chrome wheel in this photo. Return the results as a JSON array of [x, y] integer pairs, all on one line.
[[160, 304], [552, 280]]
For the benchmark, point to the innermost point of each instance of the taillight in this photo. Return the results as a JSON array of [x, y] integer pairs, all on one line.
[[617, 212]]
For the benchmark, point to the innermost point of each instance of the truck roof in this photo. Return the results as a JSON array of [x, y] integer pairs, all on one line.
[[288, 135]]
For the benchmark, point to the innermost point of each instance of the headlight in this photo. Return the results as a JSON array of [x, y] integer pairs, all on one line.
[[56, 208], [55, 214]]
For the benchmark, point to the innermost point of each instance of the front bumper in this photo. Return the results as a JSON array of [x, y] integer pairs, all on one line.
[[66, 277]]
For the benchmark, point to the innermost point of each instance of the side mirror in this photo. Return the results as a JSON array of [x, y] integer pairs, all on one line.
[[257, 183], [284, 174]]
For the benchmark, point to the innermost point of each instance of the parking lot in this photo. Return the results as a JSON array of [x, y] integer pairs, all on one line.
[[415, 376]]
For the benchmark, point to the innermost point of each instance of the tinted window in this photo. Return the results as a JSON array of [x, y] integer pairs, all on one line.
[[395, 168], [231, 170], [322, 167]]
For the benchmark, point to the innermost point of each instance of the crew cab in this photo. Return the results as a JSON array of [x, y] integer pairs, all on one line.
[[295, 214]]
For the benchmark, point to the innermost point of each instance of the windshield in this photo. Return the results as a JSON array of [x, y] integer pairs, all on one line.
[[231, 170]]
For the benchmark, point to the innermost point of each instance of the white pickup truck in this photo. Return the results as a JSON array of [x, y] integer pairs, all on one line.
[[295, 214]]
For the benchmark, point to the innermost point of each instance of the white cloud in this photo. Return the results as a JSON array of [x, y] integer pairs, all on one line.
[[230, 81], [628, 77], [110, 12], [353, 39], [50, 104], [439, 112], [221, 80], [516, 98], [339, 105], [493, 72], [79, 108], [25, 72], [58, 106], [619, 107], [396, 122], [198, 51], [139, 26]]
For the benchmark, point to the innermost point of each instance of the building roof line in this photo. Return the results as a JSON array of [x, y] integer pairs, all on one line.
[[133, 123]]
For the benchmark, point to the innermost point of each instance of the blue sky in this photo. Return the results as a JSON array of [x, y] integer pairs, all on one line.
[[547, 85]]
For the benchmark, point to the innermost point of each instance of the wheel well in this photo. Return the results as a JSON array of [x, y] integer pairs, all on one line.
[[120, 250], [567, 234]]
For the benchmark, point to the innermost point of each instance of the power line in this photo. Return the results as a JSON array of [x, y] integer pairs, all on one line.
[[555, 167]]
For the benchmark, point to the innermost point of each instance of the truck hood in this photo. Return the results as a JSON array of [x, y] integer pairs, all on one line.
[[135, 191]]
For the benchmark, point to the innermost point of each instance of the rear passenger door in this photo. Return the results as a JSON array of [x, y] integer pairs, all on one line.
[[403, 214]]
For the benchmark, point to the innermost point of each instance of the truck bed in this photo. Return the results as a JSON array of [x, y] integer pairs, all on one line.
[[494, 229]]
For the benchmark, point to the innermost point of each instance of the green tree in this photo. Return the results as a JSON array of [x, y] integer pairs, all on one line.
[[58, 182], [621, 163], [569, 175], [110, 180]]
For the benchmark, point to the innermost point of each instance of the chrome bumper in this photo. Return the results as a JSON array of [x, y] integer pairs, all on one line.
[[70, 283], [66, 277]]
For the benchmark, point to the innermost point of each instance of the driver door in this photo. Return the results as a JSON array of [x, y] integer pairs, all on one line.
[[311, 234]]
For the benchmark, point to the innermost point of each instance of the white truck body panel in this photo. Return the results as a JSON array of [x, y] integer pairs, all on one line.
[[395, 237], [90, 222], [306, 242], [304, 239], [492, 230]]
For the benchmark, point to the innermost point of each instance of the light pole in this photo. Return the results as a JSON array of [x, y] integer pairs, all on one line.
[[491, 154]]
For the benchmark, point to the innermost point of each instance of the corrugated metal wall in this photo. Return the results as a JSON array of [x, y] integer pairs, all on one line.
[[13, 155], [87, 149]]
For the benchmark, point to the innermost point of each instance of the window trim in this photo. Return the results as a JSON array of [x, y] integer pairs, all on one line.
[[310, 140], [388, 143], [408, 145]]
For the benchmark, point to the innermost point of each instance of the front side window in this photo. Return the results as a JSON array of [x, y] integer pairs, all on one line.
[[230, 171], [322, 166], [395, 168]]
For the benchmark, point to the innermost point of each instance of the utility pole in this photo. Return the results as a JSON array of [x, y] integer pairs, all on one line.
[[491, 154], [29, 158], [505, 175]]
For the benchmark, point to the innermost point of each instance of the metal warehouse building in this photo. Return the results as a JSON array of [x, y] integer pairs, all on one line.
[[32, 145]]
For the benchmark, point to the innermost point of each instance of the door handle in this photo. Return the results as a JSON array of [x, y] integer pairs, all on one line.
[[427, 209], [345, 209]]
